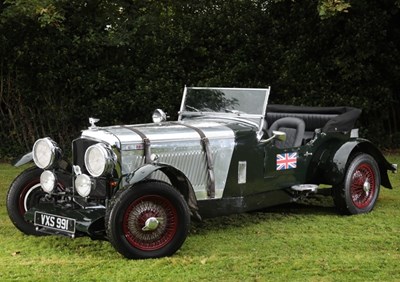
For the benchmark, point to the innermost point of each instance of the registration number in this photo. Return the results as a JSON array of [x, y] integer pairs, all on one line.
[[55, 222]]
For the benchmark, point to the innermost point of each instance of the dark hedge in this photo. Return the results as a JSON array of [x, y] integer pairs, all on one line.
[[63, 61]]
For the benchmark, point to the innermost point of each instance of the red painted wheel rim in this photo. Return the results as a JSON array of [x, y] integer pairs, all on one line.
[[31, 194], [363, 186], [142, 209], [30, 189]]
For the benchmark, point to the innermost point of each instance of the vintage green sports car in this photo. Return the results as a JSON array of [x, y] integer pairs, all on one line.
[[139, 186]]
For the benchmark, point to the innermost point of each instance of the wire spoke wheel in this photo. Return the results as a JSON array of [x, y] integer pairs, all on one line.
[[360, 188], [363, 186], [148, 220]]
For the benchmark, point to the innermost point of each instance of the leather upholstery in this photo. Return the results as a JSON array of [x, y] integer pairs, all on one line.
[[312, 120], [294, 129]]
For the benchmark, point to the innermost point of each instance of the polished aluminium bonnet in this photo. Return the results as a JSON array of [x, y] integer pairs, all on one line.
[[174, 144]]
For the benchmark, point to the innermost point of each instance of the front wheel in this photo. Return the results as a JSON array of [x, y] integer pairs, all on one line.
[[24, 193], [148, 220], [360, 189]]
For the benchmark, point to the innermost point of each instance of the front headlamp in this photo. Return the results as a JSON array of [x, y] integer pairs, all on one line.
[[45, 152], [99, 160]]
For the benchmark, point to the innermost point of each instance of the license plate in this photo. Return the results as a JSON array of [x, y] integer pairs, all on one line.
[[55, 222]]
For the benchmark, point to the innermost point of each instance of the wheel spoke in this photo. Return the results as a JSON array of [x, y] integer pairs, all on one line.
[[363, 185], [150, 207]]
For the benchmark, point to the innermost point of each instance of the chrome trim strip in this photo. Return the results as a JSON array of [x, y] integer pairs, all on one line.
[[227, 88], [242, 172]]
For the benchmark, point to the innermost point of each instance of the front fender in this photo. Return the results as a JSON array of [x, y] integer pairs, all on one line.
[[21, 160], [177, 178], [28, 157], [337, 164]]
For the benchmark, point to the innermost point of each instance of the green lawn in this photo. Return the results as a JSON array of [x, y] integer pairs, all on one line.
[[294, 242]]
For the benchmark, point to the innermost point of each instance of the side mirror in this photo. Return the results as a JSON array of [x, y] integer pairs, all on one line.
[[276, 135], [159, 116]]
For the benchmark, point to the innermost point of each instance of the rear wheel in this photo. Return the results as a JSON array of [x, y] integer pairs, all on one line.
[[148, 220], [360, 189]]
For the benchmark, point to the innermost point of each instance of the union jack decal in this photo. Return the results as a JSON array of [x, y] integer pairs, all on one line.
[[286, 161]]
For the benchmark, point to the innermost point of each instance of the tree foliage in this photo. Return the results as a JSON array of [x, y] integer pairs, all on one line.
[[329, 8], [63, 61]]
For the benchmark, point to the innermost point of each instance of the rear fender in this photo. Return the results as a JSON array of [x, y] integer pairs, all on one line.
[[338, 163], [177, 178]]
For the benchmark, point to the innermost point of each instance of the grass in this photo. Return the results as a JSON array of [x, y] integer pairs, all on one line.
[[299, 242]]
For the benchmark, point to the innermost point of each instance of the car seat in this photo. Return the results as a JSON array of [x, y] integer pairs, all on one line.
[[294, 129]]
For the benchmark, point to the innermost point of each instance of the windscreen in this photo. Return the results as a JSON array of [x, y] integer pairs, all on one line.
[[226, 100]]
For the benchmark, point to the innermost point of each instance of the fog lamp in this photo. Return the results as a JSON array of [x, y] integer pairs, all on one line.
[[83, 185], [47, 181]]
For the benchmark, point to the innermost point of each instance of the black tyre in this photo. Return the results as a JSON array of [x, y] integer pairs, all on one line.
[[360, 189], [149, 220], [24, 193]]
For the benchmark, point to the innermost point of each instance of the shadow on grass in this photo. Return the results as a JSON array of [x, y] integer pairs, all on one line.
[[86, 248], [314, 205]]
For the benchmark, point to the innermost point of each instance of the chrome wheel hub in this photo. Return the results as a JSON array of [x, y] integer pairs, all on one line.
[[366, 186], [151, 224]]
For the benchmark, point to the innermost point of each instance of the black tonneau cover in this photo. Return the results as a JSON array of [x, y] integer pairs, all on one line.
[[339, 118]]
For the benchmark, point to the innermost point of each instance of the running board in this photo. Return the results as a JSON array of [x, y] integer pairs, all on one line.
[[311, 188]]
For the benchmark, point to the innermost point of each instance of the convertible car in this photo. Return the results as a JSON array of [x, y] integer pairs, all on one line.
[[139, 186]]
